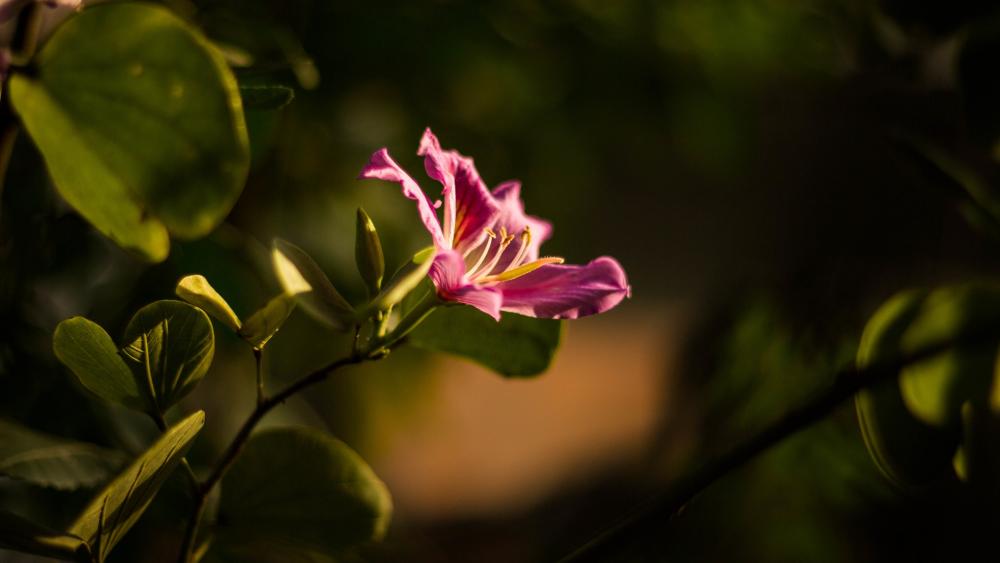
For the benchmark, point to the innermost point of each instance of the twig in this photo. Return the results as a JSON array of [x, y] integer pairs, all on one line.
[[659, 510], [240, 440]]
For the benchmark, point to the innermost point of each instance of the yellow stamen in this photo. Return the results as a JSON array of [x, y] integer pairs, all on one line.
[[523, 251], [521, 270], [490, 235], [504, 243]]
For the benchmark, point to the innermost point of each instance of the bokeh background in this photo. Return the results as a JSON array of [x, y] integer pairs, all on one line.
[[749, 162]]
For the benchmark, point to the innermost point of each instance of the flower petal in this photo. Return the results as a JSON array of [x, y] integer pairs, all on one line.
[[381, 166], [469, 208], [448, 274], [557, 291], [514, 220]]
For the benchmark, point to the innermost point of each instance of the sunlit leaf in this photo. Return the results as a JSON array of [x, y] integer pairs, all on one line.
[[276, 506], [169, 345], [111, 514], [55, 462], [908, 451], [197, 291], [263, 324], [139, 121], [515, 346], [88, 351], [935, 389], [23, 535], [302, 278]]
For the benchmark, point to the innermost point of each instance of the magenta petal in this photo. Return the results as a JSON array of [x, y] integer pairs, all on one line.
[[382, 167], [514, 220], [469, 206], [448, 274], [557, 291]]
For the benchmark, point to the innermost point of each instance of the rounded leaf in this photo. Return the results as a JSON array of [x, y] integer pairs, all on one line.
[[51, 461], [169, 345], [297, 494], [935, 389], [906, 450], [87, 350], [515, 346], [139, 121]]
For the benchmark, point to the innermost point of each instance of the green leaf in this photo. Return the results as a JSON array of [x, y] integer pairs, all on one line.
[[197, 291], [515, 346], [908, 451], [84, 347], [169, 345], [405, 280], [368, 253], [140, 124], [50, 461], [111, 514], [302, 278], [276, 507], [266, 97], [25, 536], [935, 389], [263, 324]]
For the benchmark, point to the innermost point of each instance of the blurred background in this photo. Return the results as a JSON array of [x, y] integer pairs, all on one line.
[[751, 163]]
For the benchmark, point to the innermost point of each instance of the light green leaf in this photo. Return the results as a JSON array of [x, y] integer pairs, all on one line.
[[302, 278], [55, 462], [935, 389], [140, 123], [405, 280], [197, 291], [516, 346], [169, 345], [276, 507], [266, 96], [89, 353], [907, 451], [263, 324], [368, 253], [111, 514], [25, 536]]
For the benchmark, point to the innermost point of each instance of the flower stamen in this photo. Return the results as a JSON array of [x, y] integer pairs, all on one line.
[[519, 271], [490, 235], [505, 241]]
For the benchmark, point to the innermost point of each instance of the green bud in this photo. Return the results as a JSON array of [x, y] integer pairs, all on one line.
[[368, 253]]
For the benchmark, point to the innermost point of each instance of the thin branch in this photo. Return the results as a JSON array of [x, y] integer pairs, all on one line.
[[241, 438], [656, 512]]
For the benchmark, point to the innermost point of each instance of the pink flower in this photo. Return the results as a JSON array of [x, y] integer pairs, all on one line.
[[487, 248]]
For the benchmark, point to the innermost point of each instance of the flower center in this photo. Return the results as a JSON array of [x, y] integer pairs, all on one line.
[[492, 250]]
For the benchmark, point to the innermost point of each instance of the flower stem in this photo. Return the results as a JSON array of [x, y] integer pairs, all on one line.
[[258, 358], [656, 512], [239, 441], [416, 315]]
